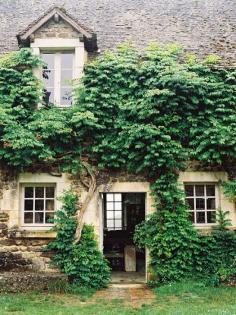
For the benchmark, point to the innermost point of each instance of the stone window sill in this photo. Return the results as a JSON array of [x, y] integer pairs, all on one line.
[[32, 234]]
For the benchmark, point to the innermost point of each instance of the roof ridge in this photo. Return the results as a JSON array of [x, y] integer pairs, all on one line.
[[60, 9]]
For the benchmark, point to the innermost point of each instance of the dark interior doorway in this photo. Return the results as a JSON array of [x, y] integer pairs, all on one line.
[[122, 212]]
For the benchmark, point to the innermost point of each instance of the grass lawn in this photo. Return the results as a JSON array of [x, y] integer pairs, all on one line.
[[188, 298]]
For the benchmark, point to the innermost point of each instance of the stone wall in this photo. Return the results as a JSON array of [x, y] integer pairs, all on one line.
[[61, 29], [14, 282], [21, 247], [19, 251]]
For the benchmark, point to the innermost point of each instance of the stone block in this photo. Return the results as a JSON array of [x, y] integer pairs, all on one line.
[[130, 258]]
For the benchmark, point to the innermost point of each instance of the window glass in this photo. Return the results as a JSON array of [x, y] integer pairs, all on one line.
[[189, 190], [210, 190], [118, 214], [38, 204], [109, 197], [201, 217], [117, 197], [66, 61], [39, 217], [66, 96], [49, 205], [199, 190], [113, 214], [29, 192], [48, 76], [49, 60], [39, 192], [201, 201], [211, 203], [50, 192], [28, 217], [211, 216], [28, 205], [57, 75], [49, 217]]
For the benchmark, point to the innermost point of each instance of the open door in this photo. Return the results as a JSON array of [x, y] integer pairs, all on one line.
[[122, 212]]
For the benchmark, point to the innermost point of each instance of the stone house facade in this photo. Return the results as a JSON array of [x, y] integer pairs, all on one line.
[[28, 200]]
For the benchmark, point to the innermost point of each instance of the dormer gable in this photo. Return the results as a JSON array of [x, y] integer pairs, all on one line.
[[57, 23], [64, 44]]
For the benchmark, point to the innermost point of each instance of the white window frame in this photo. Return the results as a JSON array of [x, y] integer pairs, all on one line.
[[113, 201], [57, 45], [36, 225], [57, 74], [217, 201]]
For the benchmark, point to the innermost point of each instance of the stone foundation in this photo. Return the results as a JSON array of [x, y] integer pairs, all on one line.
[[21, 251], [13, 282]]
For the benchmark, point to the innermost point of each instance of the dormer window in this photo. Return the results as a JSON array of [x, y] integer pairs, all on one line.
[[57, 75], [63, 42]]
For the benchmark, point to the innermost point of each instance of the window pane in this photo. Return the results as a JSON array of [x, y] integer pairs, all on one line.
[[50, 192], [110, 206], [110, 223], [189, 190], [39, 217], [211, 217], [49, 60], [39, 204], [66, 77], [210, 190], [48, 77], [117, 197], [67, 60], [66, 96], [49, 217], [110, 214], [190, 203], [29, 192], [200, 217], [118, 214], [200, 203], [28, 217], [39, 192], [109, 197], [199, 190], [118, 223], [28, 205], [118, 206], [50, 205], [211, 204]]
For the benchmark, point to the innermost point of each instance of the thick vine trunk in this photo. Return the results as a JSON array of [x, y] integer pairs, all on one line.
[[91, 186]]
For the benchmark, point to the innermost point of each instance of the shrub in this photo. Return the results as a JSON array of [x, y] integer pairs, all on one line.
[[216, 257], [172, 242], [83, 262]]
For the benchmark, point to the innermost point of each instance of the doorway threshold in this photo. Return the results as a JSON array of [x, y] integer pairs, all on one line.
[[122, 277]]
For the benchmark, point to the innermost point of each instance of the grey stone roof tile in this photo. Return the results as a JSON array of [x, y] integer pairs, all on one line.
[[201, 26]]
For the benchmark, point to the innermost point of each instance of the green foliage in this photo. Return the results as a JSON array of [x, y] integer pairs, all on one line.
[[216, 256], [147, 112], [230, 189], [82, 262], [172, 242], [178, 251], [144, 112]]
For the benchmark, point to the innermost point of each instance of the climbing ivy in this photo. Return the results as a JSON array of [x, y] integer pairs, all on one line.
[[144, 112], [83, 262]]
